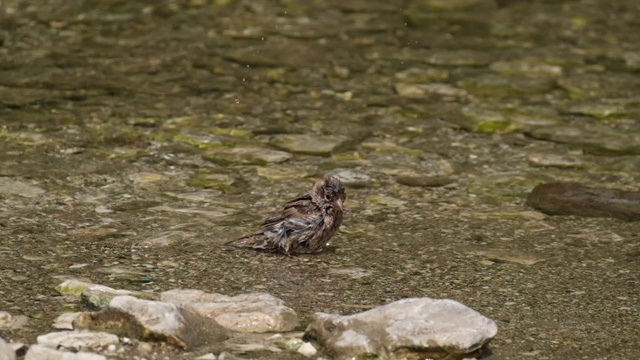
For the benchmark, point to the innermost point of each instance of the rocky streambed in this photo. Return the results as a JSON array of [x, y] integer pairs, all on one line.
[[490, 151]]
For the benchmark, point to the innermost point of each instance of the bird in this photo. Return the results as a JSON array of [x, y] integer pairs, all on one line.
[[304, 225]]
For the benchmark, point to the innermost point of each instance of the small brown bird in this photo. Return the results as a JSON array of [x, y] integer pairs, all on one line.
[[305, 224]]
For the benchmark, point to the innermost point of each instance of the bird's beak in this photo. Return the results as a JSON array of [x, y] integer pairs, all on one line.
[[340, 204]]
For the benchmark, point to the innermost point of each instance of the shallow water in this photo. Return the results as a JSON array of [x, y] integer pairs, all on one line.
[[116, 119]]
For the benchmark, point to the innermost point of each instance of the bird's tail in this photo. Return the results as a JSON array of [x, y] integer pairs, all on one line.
[[256, 241]]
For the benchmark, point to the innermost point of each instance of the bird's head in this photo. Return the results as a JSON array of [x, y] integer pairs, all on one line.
[[330, 191]]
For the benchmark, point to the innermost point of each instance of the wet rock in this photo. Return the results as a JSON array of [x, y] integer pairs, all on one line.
[[148, 179], [6, 351], [211, 181], [557, 160], [385, 200], [595, 138], [10, 186], [196, 196], [576, 199], [65, 321], [77, 340], [72, 287], [521, 215], [353, 178], [354, 273], [421, 75], [155, 321], [503, 185], [12, 322], [451, 5], [319, 145], [216, 213], [38, 352], [246, 156], [526, 68], [419, 326], [124, 273], [479, 119], [424, 181], [274, 172], [198, 140], [506, 256], [281, 52], [166, 238], [255, 312], [597, 110], [597, 85], [421, 90], [500, 86]]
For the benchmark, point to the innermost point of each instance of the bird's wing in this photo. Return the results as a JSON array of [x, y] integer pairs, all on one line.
[[294, 231], [298, 207]]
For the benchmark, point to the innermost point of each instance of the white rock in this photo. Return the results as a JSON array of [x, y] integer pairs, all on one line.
[[37, 352], [209, 356], [6, 351], [421, 324], [76, 339], [11, 322], [153, 320], [307, 350], [65, 321], [96, 296], [254, 312]]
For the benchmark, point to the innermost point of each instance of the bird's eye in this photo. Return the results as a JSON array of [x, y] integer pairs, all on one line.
[[328, 197]]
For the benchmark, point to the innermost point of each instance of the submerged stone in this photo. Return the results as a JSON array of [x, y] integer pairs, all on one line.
[[276, 172], [576, 199], [593, 138], [251, 155], [166, 238], [10, 186], [419, 75], [421, 90], [526, 68], [424, 181], [414, 327], [211, 181], [319, 145], [597, 110], [558, 160], [501, 86], [479, 119]]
